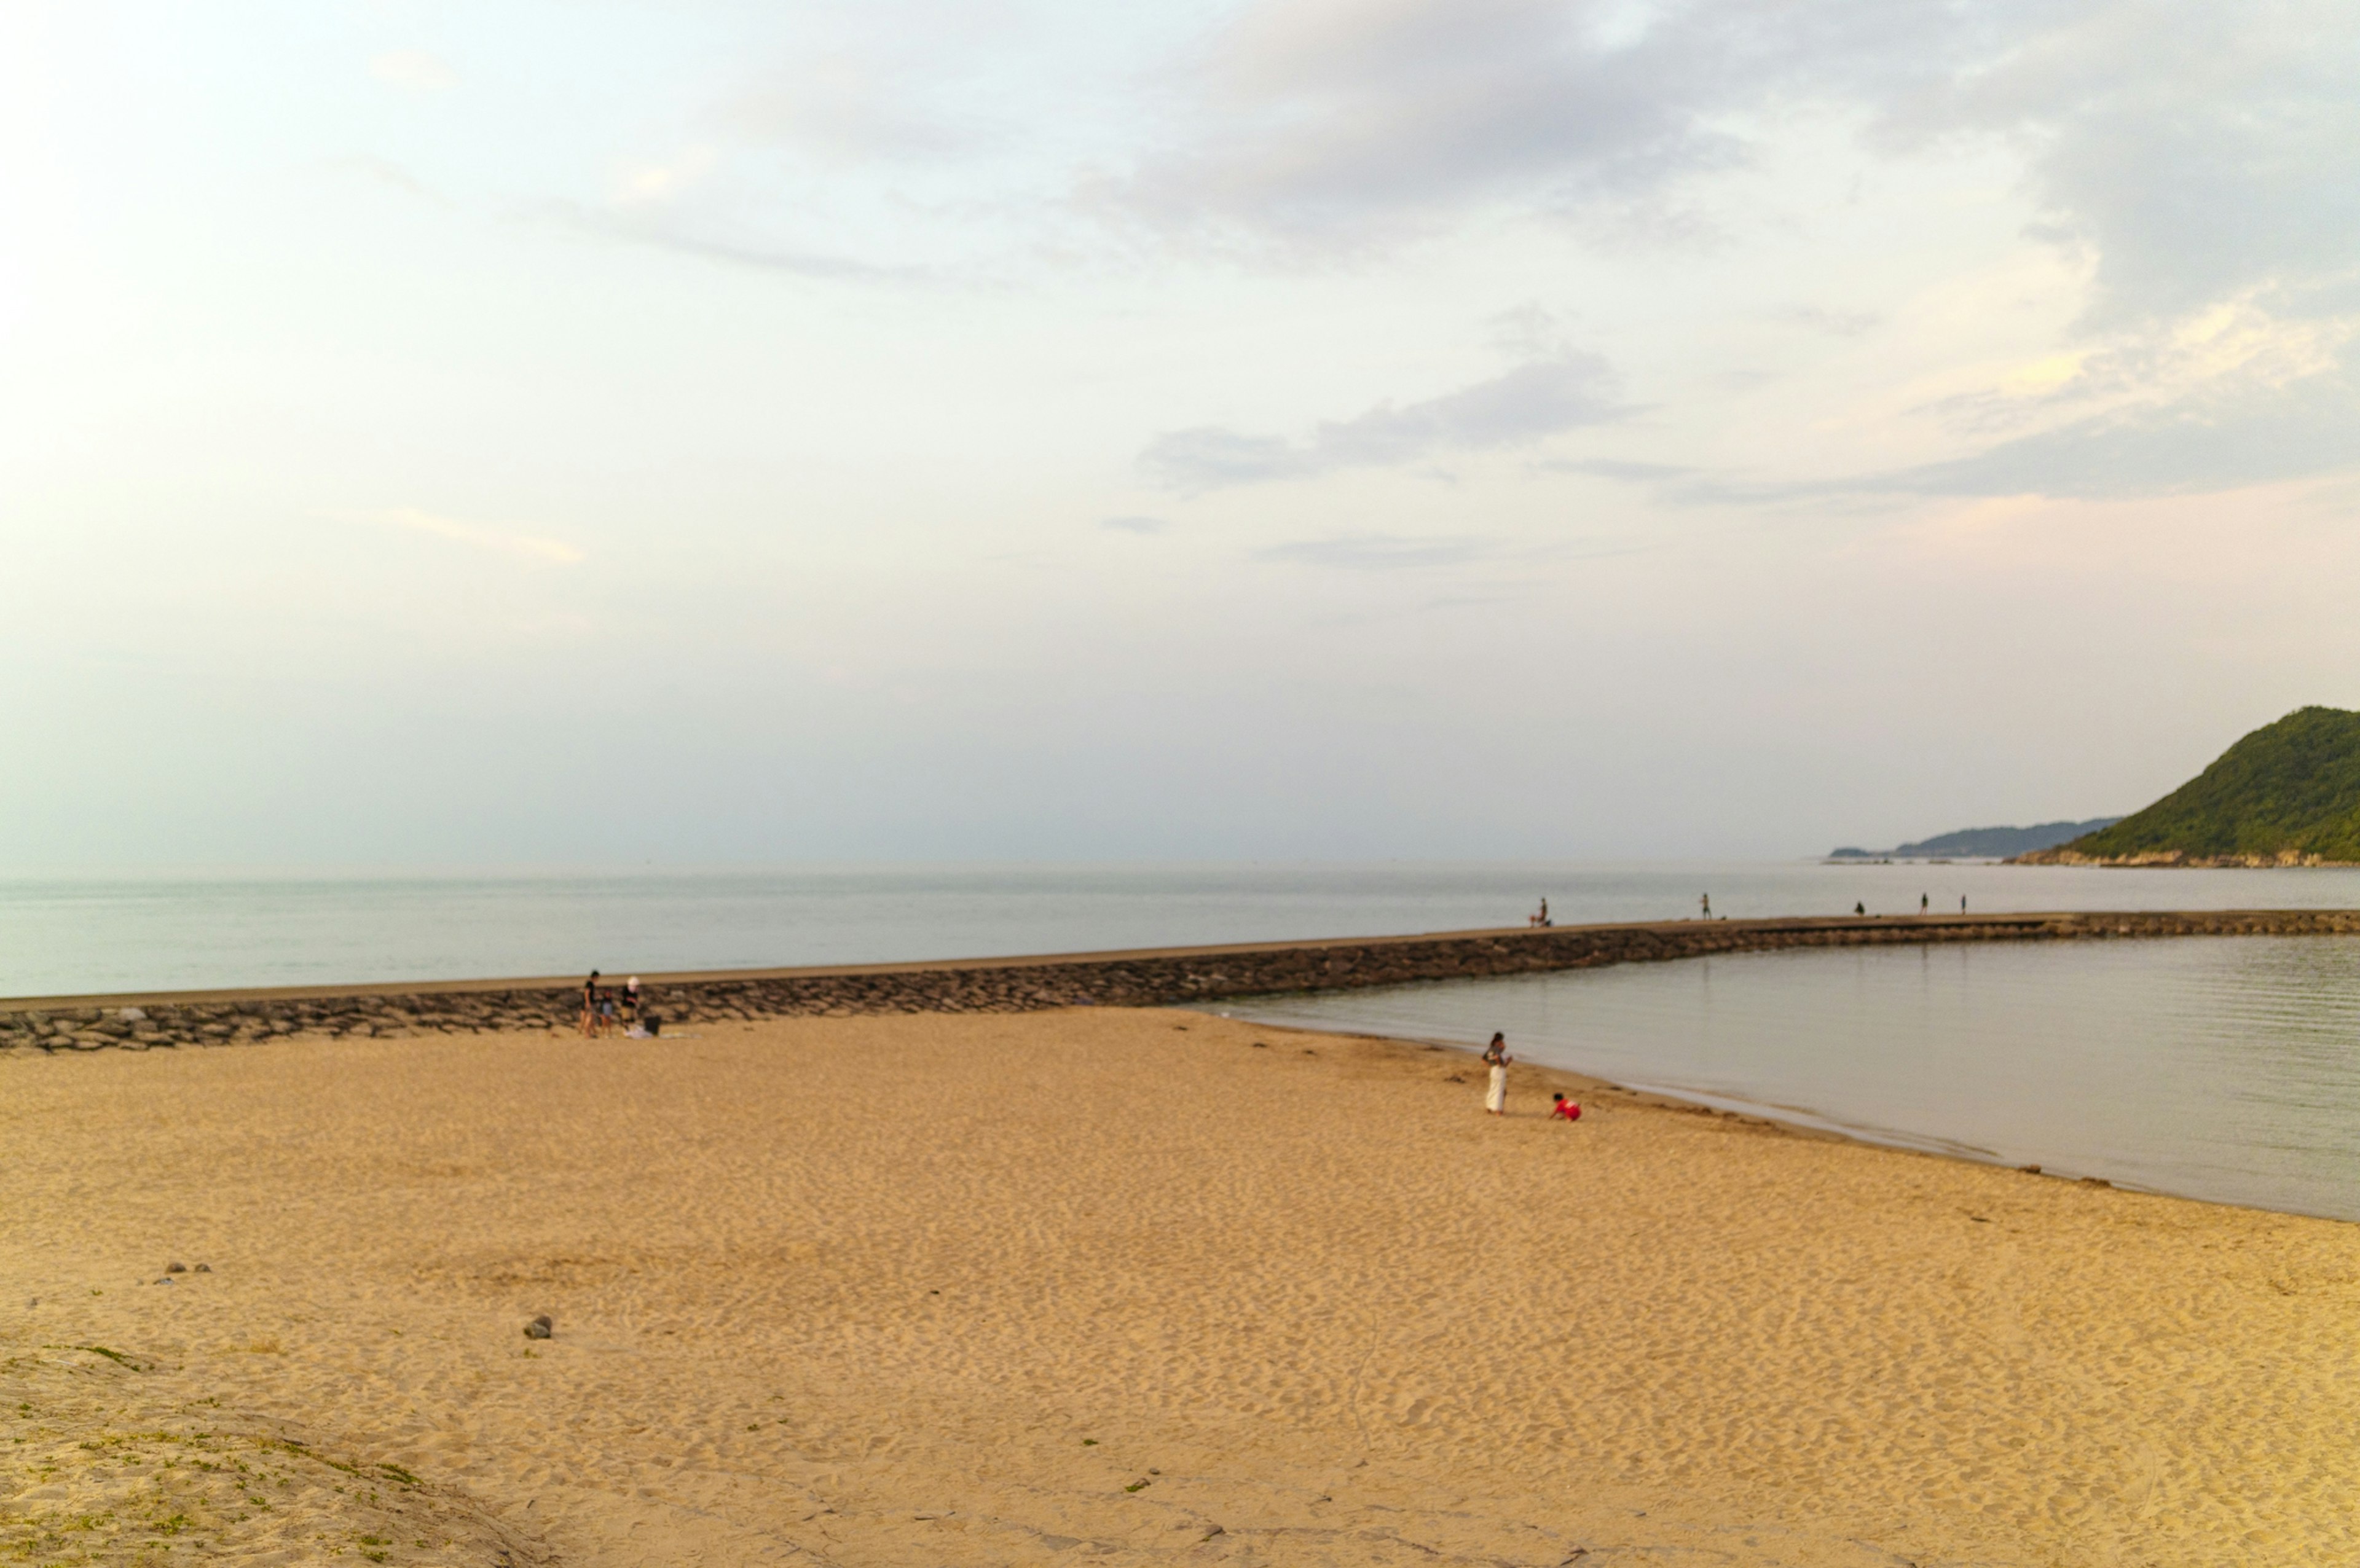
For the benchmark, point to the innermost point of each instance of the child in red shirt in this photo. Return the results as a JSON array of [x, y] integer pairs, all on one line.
[[1564, 1108]]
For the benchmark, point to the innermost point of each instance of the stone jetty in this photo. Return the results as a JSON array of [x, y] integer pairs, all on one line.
[[1149, 977]]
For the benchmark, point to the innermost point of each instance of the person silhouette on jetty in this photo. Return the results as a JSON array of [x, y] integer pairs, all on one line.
[[1495, 1091], [590, 1006], [1705, 903], [1922, 905], [1860, 908]]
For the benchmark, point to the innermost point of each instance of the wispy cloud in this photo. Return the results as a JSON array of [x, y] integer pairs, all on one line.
[[650, 224], [1135, 525], [1532, 401], [1389, 552], [2193, 447], [1615, 468], [385, 171], [846, 108], [1378, 552], [477, 536], [1835, 323], [642, 181], [415, 71]]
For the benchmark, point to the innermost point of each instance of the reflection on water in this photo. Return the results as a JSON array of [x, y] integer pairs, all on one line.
[[2225, 1068]]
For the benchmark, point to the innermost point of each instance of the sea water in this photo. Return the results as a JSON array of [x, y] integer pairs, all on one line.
[[2224, 1068], [73, 935]]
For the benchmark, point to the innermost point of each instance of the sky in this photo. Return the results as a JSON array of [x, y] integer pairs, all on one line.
[[611, 432]]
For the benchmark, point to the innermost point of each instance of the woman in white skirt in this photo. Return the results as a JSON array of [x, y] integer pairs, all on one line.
[[1496, 1056]]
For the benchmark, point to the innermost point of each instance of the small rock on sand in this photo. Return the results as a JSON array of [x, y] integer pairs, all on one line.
[[538, 1328], [176, 1268], [204, 1268]]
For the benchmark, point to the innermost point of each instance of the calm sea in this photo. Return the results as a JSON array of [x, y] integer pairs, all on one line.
[[2224, 1068], [139, 933]]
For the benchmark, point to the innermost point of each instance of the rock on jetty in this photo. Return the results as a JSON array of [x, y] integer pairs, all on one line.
[[1155, 977]]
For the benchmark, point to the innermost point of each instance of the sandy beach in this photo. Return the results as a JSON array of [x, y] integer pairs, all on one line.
[[1111, 1287]]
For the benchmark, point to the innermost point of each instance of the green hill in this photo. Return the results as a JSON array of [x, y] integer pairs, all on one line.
[[2287, 794]]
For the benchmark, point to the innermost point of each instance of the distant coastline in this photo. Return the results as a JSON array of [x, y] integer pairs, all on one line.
[[1982, 844]]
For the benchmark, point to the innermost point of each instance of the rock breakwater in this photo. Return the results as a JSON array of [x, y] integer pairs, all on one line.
[[1158, 977]]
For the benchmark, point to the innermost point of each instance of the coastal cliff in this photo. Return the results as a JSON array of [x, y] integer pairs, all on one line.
[[2287, 794]]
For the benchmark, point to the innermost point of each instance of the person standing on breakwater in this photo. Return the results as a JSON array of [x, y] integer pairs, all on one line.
[[1495, 1091], [1705, 903], [590, 1006], [1922, 905]]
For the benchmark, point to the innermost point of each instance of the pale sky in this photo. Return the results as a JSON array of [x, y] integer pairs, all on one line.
[[598, 432]]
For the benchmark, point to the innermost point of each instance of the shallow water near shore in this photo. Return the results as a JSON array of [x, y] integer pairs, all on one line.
[[62, 935], [2226, 1069]]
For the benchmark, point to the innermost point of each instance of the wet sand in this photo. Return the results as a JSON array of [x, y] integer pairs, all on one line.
[[1106, 1286]]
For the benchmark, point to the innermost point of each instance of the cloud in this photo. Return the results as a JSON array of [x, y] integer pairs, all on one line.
[[1334, 122], [1530, 331], [415, 71], [2199, 446], [1835, 323], [477, 536], [2231, 397], [653, 223], [1377, 552], [844, 109], [650, 181], [1528, 403], [2195, 151], [385, 171], [2228, 433], [1629, 473], [1135, 525]]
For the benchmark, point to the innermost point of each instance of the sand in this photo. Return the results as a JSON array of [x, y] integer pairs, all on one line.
[[1113, 1288]]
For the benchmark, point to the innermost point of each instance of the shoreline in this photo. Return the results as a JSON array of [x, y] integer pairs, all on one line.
[[1787, 1120]]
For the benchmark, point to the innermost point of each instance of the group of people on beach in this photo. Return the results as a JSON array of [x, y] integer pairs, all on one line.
[[605, 1011]]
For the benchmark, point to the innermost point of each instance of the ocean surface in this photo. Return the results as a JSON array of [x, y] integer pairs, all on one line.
[[2222, 1068], [73, 935]]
